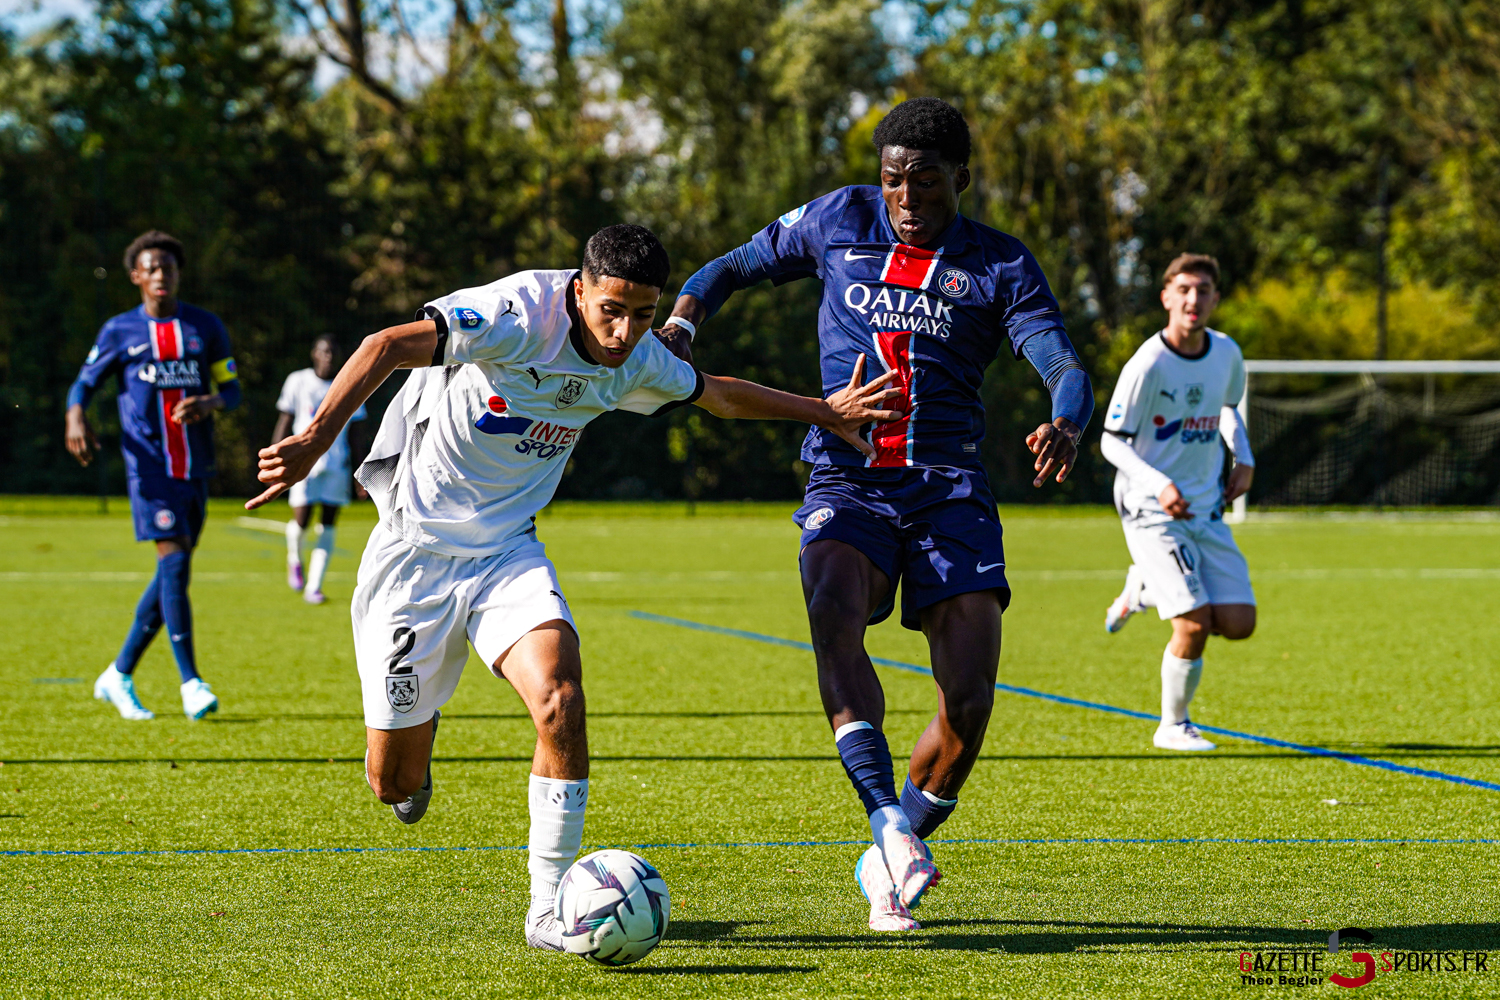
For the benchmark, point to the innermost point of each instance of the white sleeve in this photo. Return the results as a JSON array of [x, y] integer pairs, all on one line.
[[1235, 434], [1127, 406], [664, 382], [480, 324], [287, 401], [1122, 456]]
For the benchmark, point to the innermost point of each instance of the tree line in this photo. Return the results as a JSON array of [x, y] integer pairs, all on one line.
[[1339, 158]]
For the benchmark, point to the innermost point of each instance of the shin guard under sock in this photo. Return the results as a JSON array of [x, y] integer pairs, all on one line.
[[173, 570]]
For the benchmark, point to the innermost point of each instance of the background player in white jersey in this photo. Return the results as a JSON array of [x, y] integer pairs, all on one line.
[[329, 482], [1175, 399], [468, 453]]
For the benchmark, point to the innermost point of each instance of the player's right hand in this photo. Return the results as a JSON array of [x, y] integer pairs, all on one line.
[[286, 462], [79, 436], [1172, 502], [855, 405]]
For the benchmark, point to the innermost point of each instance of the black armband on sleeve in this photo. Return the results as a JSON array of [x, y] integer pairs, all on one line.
[[436, 315], [674, 404]]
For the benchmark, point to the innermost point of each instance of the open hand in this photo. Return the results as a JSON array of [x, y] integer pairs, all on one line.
[[1172, 502], [286, 462], [79, 436], [1239, 482], [1055, 446], [855, 405]]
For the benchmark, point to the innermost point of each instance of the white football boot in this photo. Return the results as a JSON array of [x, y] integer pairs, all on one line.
[[543, 929], [197, 699], [119, 690], [910, 864], [1127, 604], [1180, 736], [887, 913]]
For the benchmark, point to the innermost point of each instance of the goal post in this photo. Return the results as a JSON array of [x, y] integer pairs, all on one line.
[[1369, 372]]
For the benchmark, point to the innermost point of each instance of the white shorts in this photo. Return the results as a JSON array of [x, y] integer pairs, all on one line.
[[330, 487], [415, 613], [1187, 564]]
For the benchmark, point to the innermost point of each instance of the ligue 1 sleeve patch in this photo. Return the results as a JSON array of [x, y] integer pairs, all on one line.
[[468, 319], [791, 218]]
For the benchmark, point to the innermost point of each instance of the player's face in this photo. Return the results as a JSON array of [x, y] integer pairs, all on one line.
[[155, 274], [921, 192], [325, 360], [616, 314], [1190, 299]]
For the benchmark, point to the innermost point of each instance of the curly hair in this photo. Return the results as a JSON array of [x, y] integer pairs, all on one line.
[[926, 123], [154, 239]]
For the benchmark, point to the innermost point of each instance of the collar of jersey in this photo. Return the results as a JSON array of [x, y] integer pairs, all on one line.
[[1208, 345], [160, 319]]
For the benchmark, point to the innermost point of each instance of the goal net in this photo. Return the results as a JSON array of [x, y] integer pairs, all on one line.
[[1373, 433]]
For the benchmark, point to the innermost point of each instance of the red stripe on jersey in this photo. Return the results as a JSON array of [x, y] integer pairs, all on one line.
[[910, 267], [174, 443], [891, 440], [166, 340]]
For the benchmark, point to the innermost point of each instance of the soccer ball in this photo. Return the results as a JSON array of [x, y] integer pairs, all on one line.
[[613, 908]]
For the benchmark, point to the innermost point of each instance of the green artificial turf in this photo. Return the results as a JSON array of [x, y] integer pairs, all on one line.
[[1377, 638]]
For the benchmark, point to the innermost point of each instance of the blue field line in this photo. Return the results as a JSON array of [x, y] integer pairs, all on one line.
[[665, 846], [1315, 751]]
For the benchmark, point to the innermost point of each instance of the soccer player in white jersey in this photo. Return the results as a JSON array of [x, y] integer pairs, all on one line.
[[1175, 399], [329, 482], [468, 453]]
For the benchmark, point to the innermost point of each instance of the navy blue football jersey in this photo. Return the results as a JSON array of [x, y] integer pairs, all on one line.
[[937, 315], [160, 362]]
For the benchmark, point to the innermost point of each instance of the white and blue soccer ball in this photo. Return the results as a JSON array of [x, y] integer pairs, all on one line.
[[613, 908]]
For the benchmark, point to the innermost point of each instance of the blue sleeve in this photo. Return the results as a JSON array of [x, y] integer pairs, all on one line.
[[788, 249], [1051, 354], [230, 393], [103, 360]]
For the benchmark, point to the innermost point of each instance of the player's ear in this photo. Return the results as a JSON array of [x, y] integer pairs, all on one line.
[[961, 179]]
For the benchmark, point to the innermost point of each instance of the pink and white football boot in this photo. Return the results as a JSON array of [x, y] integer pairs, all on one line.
[[887, 912]]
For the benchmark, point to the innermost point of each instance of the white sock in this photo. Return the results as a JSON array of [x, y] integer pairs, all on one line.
[[1179, 682], [888, 821], [318, 565], [556, 830], [294, 543]]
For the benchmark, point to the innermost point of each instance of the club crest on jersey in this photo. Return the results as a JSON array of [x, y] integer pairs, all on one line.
[[194, 345], [402, 690], [1195, 394], [164, 519], [818, 518], [571, 392], [468, 319], [791, 218], [954, 282]]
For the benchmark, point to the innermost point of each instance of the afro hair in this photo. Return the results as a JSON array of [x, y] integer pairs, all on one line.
[[926, 123]]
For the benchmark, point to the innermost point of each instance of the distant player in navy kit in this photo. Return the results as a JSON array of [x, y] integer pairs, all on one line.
[[175, 370], [932, 297]]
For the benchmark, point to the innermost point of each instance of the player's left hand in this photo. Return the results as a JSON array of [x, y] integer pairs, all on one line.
[[286, 462], [194, 408], [1055, 446], [1239, 482], [677, 341]]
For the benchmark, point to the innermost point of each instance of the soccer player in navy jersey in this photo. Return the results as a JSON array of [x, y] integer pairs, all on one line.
[[931, 297], [175, 371]]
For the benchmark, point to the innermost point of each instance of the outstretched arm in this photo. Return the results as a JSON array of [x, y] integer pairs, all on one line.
[[288, 461], [708, 289], [844, 413]]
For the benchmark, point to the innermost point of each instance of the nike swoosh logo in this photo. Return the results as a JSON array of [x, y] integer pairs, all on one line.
[[138, 348], [982, 568], [851, 255], [179, 638]]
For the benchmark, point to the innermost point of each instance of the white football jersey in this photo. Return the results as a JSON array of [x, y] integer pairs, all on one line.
[[473, 448], [1168, 407], [301, 395]]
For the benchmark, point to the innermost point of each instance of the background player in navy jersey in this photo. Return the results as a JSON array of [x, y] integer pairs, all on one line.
[[175, 370], [931, 297]]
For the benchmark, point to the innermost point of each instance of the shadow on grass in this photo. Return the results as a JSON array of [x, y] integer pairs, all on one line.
[[717, 970], [1048, 937]]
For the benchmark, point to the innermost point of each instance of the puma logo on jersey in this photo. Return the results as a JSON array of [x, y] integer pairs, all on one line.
[[1170, 395]]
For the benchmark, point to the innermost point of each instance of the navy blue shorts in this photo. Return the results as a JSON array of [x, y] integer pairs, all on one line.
[[935, 530], [167, 508]]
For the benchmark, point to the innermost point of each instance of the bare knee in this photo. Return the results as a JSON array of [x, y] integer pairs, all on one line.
[[397, 784], [1235, 621], [966, 711], [1190, 634], [560, 707]]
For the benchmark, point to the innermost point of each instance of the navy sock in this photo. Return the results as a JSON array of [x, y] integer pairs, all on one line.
[[924, 814], [867, 760], [173, 571], [147, 623]]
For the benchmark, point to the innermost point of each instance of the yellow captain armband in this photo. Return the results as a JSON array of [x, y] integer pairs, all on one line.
[[223, 371]]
